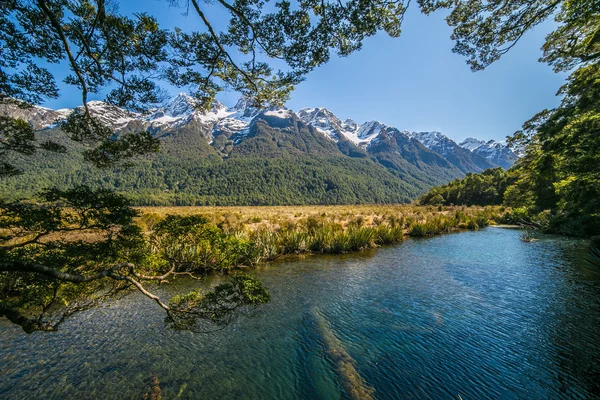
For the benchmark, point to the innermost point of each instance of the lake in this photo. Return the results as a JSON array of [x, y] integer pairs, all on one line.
[[480, 315]]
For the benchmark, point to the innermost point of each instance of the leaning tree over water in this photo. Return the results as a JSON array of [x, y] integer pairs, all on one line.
[[71, 248]]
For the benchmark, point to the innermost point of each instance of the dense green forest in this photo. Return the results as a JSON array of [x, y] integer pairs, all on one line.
[[234, 181], [557, 182], [278, 162], [485, 189]]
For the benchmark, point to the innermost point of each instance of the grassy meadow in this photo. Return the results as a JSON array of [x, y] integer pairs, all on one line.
[[255, 217], [274, 231]]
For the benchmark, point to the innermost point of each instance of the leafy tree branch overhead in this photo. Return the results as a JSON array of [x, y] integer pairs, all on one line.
[[78, 247], [132, 54], [71, 248], [485, 30]]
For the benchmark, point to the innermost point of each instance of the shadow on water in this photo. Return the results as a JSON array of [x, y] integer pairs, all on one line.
[[482, 315]]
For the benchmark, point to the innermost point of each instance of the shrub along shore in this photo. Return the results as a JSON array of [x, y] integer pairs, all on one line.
[[229, 237]]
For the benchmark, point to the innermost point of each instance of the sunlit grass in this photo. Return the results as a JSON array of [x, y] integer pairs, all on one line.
[[277, 231]]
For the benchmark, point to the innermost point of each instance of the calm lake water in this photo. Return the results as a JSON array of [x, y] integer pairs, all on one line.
[[477, 314]]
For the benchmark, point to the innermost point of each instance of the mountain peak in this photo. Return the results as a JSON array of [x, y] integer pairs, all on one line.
[[180, 105], [432, 139], [471, 143], [497, 152], [370, 129], [324, 121], [246, 108]]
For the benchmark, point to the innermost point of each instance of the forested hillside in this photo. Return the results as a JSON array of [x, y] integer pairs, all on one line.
[[270, 168], [238, 156], [485, 189]]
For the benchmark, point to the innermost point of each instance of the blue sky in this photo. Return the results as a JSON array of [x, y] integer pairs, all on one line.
[[413, 82]]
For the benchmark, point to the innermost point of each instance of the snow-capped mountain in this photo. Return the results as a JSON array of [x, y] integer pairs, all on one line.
[[233, 124], [113, 116], [460, 157], [38, 117], [496, 152], [182, 110], [330, 125], [471, 143], [327, 123], [431, 139]]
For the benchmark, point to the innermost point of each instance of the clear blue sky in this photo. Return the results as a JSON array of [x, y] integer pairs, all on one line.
[[414, 82]]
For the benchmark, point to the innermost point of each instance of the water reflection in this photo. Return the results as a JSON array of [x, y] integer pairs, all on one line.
[[477, 314]]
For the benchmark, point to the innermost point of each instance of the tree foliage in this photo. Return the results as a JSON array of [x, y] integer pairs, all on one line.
[[484, 189], [104, 47], [68, 249], [79, 247], [559, 169], [485, 30]]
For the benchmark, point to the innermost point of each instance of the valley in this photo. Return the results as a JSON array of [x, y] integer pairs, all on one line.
[[242, 155]]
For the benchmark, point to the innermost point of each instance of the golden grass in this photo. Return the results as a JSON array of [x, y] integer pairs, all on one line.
[[253, 217]]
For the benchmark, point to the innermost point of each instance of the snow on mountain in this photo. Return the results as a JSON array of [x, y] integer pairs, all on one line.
[[463, 159], [182, 105], [349, 125], [183, 110], [368, 131], [237, 121], [328, 124], [497, 152], [435, 141], [113, 116], [39, 117], [244, 108], [229, 126], [280, 113], [471, 143], [238, 128], [332, 127]]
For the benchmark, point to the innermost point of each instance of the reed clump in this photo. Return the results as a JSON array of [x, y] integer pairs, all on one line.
[[440, 224], [528, 237], [265, 233]]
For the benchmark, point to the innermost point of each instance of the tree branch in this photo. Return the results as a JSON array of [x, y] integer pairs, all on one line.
[[29, 325], [220, 46], [58, 28], [19, 266]]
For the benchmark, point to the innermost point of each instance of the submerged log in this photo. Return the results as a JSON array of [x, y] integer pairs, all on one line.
[[350, 379]]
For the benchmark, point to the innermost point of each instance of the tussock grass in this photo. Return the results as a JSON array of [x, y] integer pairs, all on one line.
[[277, 231]]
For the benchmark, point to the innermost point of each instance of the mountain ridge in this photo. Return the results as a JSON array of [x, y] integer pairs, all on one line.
[[183, 109], [204, 149]]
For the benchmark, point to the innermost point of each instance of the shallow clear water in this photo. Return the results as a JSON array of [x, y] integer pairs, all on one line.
[[476, 314]]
